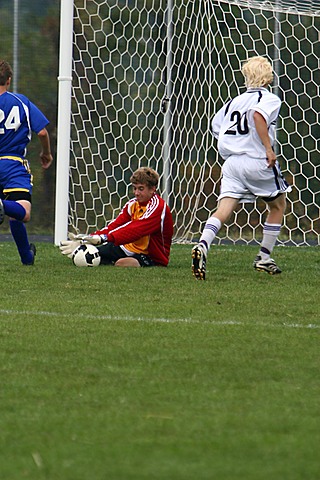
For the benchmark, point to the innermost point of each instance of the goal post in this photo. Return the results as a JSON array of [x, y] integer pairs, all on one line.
[[147, 78], [64, 122]]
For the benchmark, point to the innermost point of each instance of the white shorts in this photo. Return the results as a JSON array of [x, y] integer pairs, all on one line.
[[247, 178]]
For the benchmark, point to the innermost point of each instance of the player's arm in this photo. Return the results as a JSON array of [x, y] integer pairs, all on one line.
[[135, 229], [102, 236], [39, 122], [262, 130], [99, 237], [45, 155], [122, 233]]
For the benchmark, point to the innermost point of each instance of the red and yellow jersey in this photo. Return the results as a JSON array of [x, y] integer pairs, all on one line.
[[141, 245], [143, 228]]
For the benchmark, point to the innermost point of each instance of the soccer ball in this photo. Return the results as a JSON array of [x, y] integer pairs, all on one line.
[[86, 255]]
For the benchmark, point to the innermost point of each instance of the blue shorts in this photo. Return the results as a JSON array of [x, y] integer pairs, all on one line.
[[15, 176]]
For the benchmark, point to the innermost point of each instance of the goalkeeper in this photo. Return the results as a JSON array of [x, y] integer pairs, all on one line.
[[140, 236]]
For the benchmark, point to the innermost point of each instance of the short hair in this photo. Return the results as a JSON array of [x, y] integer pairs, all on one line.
[[257, 72], [145, 176], [5, 72]]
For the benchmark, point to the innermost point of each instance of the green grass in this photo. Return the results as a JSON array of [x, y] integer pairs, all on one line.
[[133, 374]]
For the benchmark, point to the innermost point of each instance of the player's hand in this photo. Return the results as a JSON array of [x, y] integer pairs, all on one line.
[[93, 239], [67, 247], [271, 158], [46, 160]]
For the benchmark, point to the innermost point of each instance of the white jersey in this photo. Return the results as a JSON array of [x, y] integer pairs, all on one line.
[[234, 127]]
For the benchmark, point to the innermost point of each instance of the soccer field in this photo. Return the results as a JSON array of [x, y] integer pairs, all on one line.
[[133, 374]]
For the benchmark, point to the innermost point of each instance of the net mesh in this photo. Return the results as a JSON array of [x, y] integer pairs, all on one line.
[[148, 75]]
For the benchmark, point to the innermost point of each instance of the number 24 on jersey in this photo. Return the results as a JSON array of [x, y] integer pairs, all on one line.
[[12, 122]]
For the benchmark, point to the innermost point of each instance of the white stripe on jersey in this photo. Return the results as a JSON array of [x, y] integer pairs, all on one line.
[[234, 127], [26, 110], [129, 205], [151, 207]]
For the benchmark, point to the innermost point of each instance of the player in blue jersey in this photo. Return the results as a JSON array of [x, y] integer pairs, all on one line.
[[245, 130], [18, 119]]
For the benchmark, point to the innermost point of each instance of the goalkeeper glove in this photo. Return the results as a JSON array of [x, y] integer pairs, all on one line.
[[68, 247], [93, 239]]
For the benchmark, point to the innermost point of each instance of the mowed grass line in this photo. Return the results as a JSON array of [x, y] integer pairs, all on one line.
[[138, 374]]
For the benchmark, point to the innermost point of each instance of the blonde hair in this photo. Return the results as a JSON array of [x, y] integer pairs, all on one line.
[[145, 176], [257, 72]]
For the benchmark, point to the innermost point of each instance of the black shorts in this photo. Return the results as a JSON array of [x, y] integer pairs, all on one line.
[[111, 253], [15, 195]]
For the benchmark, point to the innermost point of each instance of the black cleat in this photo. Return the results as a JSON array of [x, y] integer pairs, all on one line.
[[268, 266], [199, 261]]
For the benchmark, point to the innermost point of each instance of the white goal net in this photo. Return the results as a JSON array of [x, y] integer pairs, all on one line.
[[148, 75]]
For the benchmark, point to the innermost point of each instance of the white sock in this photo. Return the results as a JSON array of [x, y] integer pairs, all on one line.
[[210, 231], [271, 233]]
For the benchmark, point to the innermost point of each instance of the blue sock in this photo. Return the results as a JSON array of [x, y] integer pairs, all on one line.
[[19, 233], [14, 209]]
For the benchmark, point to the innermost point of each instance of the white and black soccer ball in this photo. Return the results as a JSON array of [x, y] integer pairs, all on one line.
[[86, 255]]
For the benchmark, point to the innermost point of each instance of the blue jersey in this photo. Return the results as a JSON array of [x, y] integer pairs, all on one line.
[[18, 119]]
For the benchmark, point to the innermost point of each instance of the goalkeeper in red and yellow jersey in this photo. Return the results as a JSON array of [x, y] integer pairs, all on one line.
[[140, 236]]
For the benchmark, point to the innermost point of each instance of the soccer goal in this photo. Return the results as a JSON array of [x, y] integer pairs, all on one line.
[[139, 82]]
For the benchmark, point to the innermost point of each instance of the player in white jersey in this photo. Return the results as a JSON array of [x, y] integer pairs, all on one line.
[[245, 130], [18, 119]]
